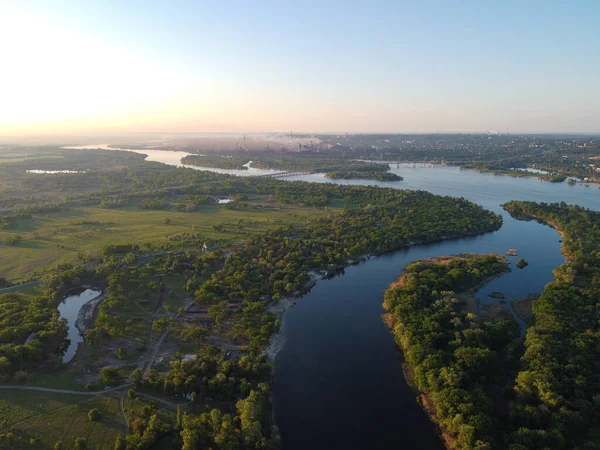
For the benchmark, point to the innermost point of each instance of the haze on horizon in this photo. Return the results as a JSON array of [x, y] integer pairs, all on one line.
[[411, 67]]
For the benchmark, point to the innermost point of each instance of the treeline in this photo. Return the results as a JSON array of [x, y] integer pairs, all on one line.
[[10, 221], [131, 177], [277, 262], [320, 162], [558, 387], [247, 426], [354, 175], [514, 172], [458, 361]]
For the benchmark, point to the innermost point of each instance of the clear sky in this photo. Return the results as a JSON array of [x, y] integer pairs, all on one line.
[[369, 66]]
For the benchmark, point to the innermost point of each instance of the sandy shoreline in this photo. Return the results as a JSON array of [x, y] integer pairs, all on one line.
[[86, 316], [280, 309]]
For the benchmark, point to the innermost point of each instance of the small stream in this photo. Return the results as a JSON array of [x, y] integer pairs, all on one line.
[[69, 309]]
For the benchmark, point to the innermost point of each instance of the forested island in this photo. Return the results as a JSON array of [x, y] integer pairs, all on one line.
[[514, 172], [457, 357], [542, 393], [353, 175]]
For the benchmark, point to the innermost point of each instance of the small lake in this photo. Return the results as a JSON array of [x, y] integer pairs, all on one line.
[[69, 309]]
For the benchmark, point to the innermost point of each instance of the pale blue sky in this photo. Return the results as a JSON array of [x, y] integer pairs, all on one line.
[[419, 66]]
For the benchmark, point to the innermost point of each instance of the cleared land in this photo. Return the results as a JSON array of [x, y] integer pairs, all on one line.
[[57, 238]]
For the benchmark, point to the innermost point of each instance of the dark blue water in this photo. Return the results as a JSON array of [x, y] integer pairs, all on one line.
[[338, 379]]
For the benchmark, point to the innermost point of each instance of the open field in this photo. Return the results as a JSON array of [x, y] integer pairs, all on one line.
[[48, 418], [57, 238]]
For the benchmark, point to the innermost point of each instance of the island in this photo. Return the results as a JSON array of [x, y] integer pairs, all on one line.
[[521, 263], [451, 348], [366, 175]]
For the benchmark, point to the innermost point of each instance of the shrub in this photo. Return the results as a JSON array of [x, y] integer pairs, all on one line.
[[95, 415]]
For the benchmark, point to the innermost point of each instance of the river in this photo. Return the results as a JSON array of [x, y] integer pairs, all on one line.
[[338, 379]]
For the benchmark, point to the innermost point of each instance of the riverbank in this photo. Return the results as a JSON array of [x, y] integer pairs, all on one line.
[[280, 309], [88, 313]]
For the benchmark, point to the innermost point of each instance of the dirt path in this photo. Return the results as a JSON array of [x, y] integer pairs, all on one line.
[[123, 415], [19, 286], [154, 354], [64, 391]]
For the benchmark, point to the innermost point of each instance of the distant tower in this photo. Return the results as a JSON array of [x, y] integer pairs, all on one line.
[[244, 141]]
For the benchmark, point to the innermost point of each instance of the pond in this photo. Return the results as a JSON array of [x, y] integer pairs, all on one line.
[[69, 308]]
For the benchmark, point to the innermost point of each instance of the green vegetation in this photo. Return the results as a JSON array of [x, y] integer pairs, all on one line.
[[187, 285], [521, 263], [558, 383], [353, 175], [95, 415], [516, 173], [38, 420], [316, 162], [31, 333], [458, 361]]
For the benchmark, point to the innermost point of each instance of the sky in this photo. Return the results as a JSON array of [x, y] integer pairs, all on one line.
[[304, 66]]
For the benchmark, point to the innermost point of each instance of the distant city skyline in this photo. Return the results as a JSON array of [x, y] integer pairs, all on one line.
[[332, 67]]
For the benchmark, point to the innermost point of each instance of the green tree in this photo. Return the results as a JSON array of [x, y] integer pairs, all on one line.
[[120, 443], [109, 375], [94, 415]]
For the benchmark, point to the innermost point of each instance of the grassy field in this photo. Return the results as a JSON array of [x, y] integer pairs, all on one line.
[[57, 238], [48, 418]]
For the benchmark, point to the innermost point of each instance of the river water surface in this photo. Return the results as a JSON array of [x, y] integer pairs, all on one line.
[[338, 379], [69, 309]]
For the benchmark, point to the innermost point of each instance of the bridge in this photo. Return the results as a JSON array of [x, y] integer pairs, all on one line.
[[290, 173]]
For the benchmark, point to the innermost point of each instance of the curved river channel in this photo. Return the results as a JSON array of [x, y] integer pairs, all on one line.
[[338, 379]]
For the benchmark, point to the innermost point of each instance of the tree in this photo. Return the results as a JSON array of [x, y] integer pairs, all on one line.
[[167, 221], [95, 415], [5, 364], [225, 435], [218, 312], [59, 445], [80, 443], [179, 419], [109, 375], [120, 443], [121, 353]]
